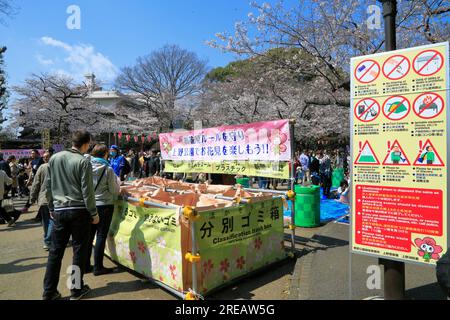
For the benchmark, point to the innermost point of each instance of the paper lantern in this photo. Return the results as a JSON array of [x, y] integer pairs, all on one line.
[[128, 137], [149, 138], [119, 135], [136, 139], [142, 138]]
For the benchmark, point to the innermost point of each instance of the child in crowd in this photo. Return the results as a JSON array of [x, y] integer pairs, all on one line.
[[22, 179], [343, 192]]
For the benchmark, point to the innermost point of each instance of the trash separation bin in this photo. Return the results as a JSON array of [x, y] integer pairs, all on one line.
[[307, 206], [245, 182], [337, 177]]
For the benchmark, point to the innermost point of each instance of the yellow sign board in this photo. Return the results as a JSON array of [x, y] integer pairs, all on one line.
[[46, 143], [399, 153], [278, 170]]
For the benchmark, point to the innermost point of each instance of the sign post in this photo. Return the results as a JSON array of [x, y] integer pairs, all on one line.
[[46, 144], [399, 158]]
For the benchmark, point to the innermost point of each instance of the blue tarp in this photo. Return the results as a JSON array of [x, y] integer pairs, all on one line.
[[330, 210]]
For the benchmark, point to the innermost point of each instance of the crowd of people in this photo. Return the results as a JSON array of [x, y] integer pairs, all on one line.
[[316, 168], [75, 191]]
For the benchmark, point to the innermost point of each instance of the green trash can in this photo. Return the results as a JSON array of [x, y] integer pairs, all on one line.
[[307, 206], [245, 182], [337, 177]]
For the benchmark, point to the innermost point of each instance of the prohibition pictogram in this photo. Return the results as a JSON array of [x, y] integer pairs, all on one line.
[[367, 71], [428, 105], [428, 62], [396, 108], [367, 110], [396, 67]]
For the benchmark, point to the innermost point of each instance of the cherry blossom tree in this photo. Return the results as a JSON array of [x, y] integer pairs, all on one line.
[[257, 90], [55, 102], [331, 32], [303, 53]]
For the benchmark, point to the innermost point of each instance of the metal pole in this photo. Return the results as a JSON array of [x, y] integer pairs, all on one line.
[[291, 130], [389, 15], [194, 252], [149, 203], [394, 271], [265, 191]]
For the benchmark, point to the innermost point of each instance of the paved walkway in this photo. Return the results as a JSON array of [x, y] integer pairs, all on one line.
[[320, 272], [23, 261], [323, 271]]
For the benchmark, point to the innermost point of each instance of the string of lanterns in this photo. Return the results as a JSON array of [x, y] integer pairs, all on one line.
[[141, 137]]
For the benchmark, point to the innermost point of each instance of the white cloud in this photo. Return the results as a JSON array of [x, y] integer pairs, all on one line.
[[55, 43], [82, 59], [42, 60]]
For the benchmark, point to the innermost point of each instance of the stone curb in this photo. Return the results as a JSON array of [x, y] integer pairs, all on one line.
[[300, 286]]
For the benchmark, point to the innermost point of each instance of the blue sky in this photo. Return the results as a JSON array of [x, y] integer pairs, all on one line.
[[113, 33]]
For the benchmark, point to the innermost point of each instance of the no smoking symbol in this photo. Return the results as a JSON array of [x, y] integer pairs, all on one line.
[[367, 71], [396, 67]]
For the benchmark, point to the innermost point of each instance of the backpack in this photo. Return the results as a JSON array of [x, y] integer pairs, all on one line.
[[126, 167]]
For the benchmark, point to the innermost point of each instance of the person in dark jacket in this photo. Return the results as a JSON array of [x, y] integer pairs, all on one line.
[[152, 165], [4, 165], [314, 168], [325, 172]]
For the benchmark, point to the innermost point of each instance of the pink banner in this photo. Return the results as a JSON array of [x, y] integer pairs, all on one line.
[[263, 141], [19, 153]]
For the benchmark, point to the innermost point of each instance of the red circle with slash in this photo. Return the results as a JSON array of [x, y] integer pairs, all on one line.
[[428, 105], [364, 76], [435, 54], [388, 73], [388, 114], [373, 103]]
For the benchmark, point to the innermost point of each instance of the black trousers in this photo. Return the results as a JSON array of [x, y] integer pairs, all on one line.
[[75, 223], [3, 214], [101, 230], [326, 184]]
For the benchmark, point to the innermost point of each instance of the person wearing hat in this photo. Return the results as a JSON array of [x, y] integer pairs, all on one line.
[[117, 162]]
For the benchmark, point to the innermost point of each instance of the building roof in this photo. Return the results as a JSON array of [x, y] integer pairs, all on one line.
[[104, 95]]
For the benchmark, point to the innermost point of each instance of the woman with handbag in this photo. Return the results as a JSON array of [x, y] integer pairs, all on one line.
[[107, 188]]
